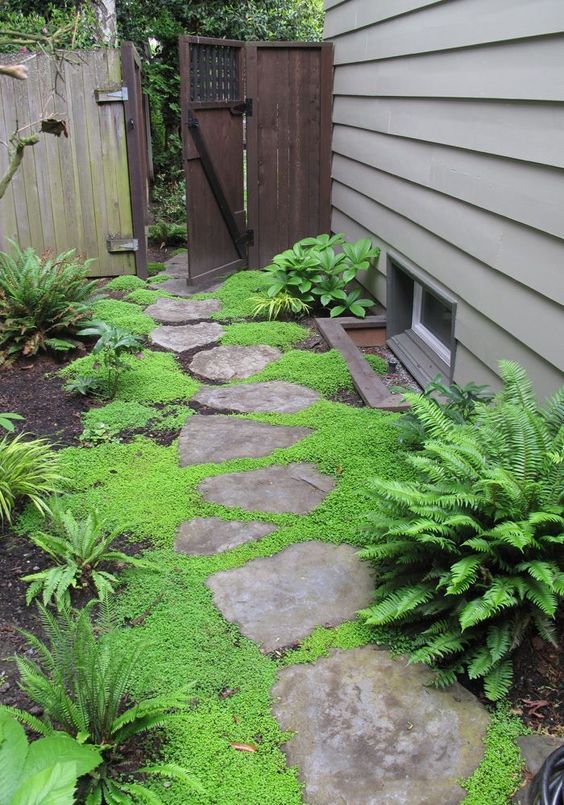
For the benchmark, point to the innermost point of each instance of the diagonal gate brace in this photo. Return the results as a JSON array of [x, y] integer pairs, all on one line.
[[240, 239]]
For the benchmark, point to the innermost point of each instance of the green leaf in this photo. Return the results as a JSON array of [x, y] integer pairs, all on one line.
[[13, 752], [357, 310], [498, 681]]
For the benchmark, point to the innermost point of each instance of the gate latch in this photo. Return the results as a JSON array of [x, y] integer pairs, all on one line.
[[245, 108]]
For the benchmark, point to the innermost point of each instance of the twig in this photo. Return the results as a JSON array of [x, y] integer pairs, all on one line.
[[19, 144]]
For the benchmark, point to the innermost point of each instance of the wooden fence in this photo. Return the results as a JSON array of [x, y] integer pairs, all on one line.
[[73, 192]]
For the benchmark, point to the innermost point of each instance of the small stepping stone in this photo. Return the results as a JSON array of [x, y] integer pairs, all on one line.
[[176, 285], [232, 363], [275, 396], [295, 488], [185, 337], [207, 439], [279, 600], [205, 536], [175, 311], [366, 730]]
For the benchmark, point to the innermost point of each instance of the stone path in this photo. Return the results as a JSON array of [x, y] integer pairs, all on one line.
[[207, 439], [279, 600], [366, 728], [276, 396], [175, 285], [186, 337], [232, 363], [178, 311]]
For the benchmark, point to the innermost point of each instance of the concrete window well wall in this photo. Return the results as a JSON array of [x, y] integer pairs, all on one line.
[[448, 152]]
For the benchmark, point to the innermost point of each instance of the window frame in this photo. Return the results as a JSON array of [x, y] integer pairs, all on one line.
[[421, 330]]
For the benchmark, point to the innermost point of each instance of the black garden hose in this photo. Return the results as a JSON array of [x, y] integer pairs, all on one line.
[[547, 787]]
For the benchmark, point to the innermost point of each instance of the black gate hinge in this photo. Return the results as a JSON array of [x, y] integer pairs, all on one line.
[[245, 108]]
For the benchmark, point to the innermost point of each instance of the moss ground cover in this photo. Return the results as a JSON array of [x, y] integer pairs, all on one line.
[[123, 314], [326, 372], [235, 295], [144, 296], [128, 282], [140, 488], [272, 333]]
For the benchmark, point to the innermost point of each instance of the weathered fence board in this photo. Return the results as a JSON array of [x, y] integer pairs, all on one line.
[[69, 192]]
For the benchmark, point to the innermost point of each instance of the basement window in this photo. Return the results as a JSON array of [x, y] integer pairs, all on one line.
[[420, 325]]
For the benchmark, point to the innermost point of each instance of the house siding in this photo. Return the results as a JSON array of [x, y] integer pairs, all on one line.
[[448, 151]]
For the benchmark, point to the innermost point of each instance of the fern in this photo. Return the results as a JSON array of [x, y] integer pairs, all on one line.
[[469, 552]]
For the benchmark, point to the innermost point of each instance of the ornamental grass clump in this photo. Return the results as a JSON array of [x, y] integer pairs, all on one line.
[[44, 301], [469, 553], [29, 472]]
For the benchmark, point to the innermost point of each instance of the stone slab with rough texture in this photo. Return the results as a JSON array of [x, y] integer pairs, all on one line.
[[535, 749], [369, 732], [176, 285], [279, 600], [295, 488], [207, 439], [184, 337], [232, 362], [176, 311], [275, 396], [204, 536]]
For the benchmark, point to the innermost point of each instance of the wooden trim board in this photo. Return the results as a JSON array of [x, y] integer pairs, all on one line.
[[372, 390]]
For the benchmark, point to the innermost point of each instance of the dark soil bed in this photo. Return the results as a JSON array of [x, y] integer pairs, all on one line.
[[33, 390]]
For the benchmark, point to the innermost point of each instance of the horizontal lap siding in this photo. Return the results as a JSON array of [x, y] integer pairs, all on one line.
[[448, 152]]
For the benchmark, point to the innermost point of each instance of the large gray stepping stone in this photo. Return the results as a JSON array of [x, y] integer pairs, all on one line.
[[207, 439], [276, 396], [279, 600], [232, 363], [368, 731], [184, 337], [204, 536], [176, 285], [175, 311], [295, 488]]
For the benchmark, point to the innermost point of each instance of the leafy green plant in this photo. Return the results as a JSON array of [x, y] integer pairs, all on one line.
[[457, 402], [111, 348], [44, 301], [29, 471], [166, 234], [155, 268], [45, 770], [7, 421], [80, 549], [81, 681], [469, 552], [316, 276]]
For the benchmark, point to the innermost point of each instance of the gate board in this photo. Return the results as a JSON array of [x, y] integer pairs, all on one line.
[[69, 193], [212, 86], [289, 144]]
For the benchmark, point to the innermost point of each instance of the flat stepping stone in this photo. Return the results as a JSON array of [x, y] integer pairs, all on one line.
[[176, 285], [368, 731], [205, 536], [184, 337], [279, 600], [176, 311], [207, 439], [273, 396], [232, 363], [295, 488]]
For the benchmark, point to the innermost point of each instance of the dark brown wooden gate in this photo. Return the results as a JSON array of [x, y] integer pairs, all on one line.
[[280, 92]]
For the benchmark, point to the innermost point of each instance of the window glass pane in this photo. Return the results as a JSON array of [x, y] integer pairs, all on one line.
[[436, 317]]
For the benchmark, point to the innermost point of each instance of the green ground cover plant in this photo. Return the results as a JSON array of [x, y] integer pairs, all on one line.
[[468, 553], [123, 314], [155, 377], [44, 302], [128, 282], [235, 295], [274, 334], [155, 268], [326, 372], [144, 296]]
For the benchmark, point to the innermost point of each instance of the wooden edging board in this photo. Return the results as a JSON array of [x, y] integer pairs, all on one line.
[[372, 390]]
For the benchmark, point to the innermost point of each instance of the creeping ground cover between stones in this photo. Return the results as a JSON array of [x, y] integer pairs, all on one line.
[[268, 490]]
